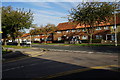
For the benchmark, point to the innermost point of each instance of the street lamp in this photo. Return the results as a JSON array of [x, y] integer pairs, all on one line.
[[115, 28]]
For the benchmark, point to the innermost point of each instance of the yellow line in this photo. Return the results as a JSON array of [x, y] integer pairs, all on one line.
[[38, 54], [16, 59], [102, 67], [77, 70], [21, 58]]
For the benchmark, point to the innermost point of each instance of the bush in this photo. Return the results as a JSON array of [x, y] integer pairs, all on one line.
[[85, 41], [93, 41], [62, 41], [96, 41]]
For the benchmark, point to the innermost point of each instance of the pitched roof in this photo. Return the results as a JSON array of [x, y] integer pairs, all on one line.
[[73, 25], [25, 35], [101, 32], [40, 37], [66, 25]]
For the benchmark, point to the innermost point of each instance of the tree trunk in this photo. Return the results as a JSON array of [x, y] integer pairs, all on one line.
[[90, 42], [18, 41], [91, 34], [45, 40], [5, 43]]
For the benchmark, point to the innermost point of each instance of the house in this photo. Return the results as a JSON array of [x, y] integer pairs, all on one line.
[[102, 33], [25, 37], [36, 38]]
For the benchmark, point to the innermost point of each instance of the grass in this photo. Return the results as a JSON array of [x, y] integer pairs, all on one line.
[[16, 47], [5, 51], [83, 44]]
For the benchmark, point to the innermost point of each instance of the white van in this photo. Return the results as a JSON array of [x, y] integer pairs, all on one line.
[[27, 42]]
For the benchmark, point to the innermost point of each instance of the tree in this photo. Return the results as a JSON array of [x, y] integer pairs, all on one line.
[[49, 28], [92, 14], [46, 30], [14, 21], [35, 31]]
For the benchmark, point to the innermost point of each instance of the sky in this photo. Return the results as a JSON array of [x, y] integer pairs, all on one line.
[[46, 11]]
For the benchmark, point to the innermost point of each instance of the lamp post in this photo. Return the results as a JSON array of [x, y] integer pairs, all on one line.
[[115, 28], [115, 5]]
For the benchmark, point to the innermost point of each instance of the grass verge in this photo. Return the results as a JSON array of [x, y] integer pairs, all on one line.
[[16, 47], [83, 44]]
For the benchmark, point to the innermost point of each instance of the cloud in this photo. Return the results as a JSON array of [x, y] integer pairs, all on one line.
[[58, 0], [48, 12], [44, 17], [65, 6], [40, 4], [41, 0], [41, 19]]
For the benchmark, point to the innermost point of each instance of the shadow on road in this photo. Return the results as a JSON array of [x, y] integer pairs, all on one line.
[[90, 74], [33, 68], [13, 56]]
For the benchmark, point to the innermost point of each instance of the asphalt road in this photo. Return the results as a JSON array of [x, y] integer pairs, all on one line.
[[60, 62], [104, 49]]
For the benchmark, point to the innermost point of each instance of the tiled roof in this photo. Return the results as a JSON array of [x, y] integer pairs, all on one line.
[[72, 25], [25, 35], [39, 37], [66, 25], [75, 33], [100, 32]]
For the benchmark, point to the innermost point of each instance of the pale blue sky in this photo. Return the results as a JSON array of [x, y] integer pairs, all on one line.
[[45, 12]]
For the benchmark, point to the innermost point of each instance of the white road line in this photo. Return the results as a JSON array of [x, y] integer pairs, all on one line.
[[90, 52], [24, 66], [13, 68]]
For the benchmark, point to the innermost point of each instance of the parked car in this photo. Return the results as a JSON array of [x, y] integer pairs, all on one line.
[[27, 42], [12, 43]]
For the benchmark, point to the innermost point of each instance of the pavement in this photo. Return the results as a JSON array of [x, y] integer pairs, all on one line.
[[56, 65]]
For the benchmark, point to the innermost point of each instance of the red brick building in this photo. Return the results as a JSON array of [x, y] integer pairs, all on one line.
[[72, 31]]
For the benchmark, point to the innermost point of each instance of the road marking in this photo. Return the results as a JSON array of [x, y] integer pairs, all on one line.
[[38, 54], [78, 70], [21, 58], [13, 68], [90, 52], [18, 67]]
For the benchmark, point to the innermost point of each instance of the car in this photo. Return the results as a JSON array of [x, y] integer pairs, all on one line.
[[12, 43], [27, 42]]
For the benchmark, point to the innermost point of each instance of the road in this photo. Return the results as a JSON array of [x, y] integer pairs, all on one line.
[[103, 49], [51, 63]]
